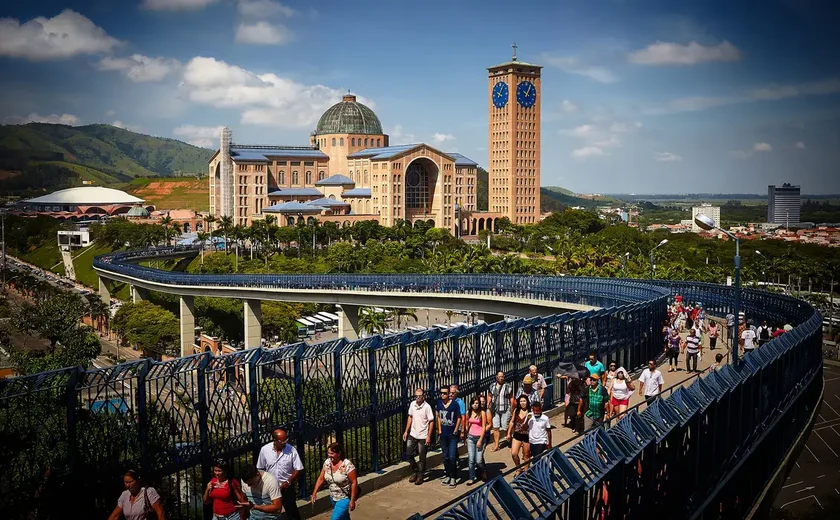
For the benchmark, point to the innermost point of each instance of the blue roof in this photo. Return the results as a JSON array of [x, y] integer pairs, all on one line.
[[336, 180], [327, 202], [383, 153], [357, 192], [461, 160], [262, 153], [296, 192], [292, 207]]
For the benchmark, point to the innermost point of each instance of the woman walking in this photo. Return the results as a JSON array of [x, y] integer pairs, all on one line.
[[488, 429], [137, 502], [341, 476], [224, 492], [620, 390], [517, 434], [573, 392], [475, 426], [674, 342]]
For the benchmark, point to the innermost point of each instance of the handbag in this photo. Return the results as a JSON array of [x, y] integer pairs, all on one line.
[[148, 512]]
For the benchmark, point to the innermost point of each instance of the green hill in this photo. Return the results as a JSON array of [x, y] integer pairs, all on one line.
[[555, 198], [103, 153]]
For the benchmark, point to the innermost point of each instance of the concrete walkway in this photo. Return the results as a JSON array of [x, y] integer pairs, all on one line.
[[403, 499]]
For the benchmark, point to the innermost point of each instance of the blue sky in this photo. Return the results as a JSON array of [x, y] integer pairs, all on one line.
[[638, 95]]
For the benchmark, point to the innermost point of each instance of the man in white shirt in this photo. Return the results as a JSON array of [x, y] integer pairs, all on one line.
[[263, 493], [539, 381], [539, 431], [748, 337], [651, 382], [281, 460], [418, 434]]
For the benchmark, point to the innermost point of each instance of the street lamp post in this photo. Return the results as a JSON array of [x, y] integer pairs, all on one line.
[[707, 223], [624, 263], [764, 268], [664, 241]]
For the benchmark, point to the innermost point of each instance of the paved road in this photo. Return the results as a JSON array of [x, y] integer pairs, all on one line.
[[814, 482], [401, 500]]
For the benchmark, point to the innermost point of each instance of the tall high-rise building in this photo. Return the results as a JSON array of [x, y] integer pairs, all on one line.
[[514, 93], [783, 204], [713, 212]]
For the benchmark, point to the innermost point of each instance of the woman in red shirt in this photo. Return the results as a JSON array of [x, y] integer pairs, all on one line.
[[224, 492]]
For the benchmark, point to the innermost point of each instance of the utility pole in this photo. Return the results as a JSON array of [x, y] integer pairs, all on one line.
[[831, 309]]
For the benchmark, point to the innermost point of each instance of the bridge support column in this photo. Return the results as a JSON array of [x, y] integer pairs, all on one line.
[[348, 322], [253, 323], [187, 308], [138, 294], [104, 292], [491, 318]]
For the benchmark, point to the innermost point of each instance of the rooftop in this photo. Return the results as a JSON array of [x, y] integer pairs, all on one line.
[[296, 192], [262, 153], [356, 192], [386, 152], [348, 117], [336, 180], [293, 207], [461, 160], [86, 196]]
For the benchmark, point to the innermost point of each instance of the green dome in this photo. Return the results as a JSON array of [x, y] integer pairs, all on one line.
[[349, 117], [137, 211]]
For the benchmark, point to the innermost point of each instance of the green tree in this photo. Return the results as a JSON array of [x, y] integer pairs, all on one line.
[[148, 326], [371, 321]]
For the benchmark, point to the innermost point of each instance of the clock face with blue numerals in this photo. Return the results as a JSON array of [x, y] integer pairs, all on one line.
[[526, 94], [500, 94]]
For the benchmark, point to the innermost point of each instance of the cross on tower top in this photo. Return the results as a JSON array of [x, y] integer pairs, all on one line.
[[514, 50]]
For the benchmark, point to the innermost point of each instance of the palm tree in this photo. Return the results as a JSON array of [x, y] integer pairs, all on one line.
[[371, 321], [166, 222], [449, 314], [202, 237], [208, 220], [225, 226], [400, 312]]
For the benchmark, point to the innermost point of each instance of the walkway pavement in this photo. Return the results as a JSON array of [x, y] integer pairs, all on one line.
[[403, 499]]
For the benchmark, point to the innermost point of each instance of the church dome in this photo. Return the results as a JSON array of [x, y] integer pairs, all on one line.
[[348, 117]]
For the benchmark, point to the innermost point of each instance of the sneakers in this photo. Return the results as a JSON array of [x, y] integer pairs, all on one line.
[[472, 482], [412, 478], [452, 482], [446, 481]]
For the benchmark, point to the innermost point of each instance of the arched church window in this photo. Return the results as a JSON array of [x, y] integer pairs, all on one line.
[[366, 177], [322, 175], [282, 180], [341, 141], [353, 142], [295, 179], [366, 141], [333, 141], [308, 177], [379, 143]]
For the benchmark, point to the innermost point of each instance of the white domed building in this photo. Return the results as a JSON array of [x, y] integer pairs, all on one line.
[[83, 203], [349, 172]]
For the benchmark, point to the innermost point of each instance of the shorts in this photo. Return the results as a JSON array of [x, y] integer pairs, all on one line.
[[501, 420], [521, 437], [619, 402]]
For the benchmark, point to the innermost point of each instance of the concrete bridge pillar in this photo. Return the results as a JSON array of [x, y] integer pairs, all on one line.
[[348, 322], [187, 308], [138, 294], [490, 318], [253, 323], [104, 292]]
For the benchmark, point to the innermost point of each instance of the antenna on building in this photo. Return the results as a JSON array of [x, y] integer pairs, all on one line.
[[514, 50]]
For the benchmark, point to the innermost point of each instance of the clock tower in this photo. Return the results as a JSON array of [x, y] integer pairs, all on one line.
[[514, 100]]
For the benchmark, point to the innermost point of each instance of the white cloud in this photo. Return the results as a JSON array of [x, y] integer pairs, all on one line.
[[175, 5], [800, 145], [204, 136], [265, 99], [665, 53], [399, 136], [440, 138], [604, 135], [740, 154], [120, 124], [263, 9], [575, 66], [588, 151], [762, 147], [139, 68], [773, 93], [110, 113], [63, 119], [567, 106], [666, 157], [263, 33], [62, 36]]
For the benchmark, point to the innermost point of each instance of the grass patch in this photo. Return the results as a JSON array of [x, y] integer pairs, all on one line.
[[46, 256], [85, 173], [85, 274], [173, 193]]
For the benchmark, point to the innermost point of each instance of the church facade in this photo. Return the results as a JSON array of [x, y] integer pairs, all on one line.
[[351, 172]]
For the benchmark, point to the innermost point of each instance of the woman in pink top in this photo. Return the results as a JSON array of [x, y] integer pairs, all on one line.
[[476, 425]]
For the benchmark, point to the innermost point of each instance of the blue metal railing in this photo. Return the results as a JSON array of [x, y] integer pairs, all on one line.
[[171, 418]]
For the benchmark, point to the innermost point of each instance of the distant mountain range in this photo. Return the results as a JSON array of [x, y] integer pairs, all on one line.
[[102, 153], [555, 198]]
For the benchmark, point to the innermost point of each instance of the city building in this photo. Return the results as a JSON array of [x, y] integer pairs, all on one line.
[[82, 203], [783, 204], [514, 126], [713, 212], [351, 172]]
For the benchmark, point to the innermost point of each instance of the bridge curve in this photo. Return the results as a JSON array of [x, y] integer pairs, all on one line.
[[716, 449]]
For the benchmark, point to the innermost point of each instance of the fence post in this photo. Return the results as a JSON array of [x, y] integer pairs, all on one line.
[[143, 415], [72, 402], [203, 426], [374, 405], [299, 413], [339, 405], [253, 399]]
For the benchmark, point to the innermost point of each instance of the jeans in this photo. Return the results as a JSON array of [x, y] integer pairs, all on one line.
[[673, 356], [475, 454], [289, 499], [232, 516], [691, 359], [588, 422], [341, 509], [449, 448], [418, 445], [537, 449]]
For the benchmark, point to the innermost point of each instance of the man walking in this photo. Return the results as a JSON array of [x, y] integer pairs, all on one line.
[[418, 435], [539, 431], [693, 349], [593, 403], [448, 426], [539, 381], [498, 402], [651, 382], [281, 460]]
